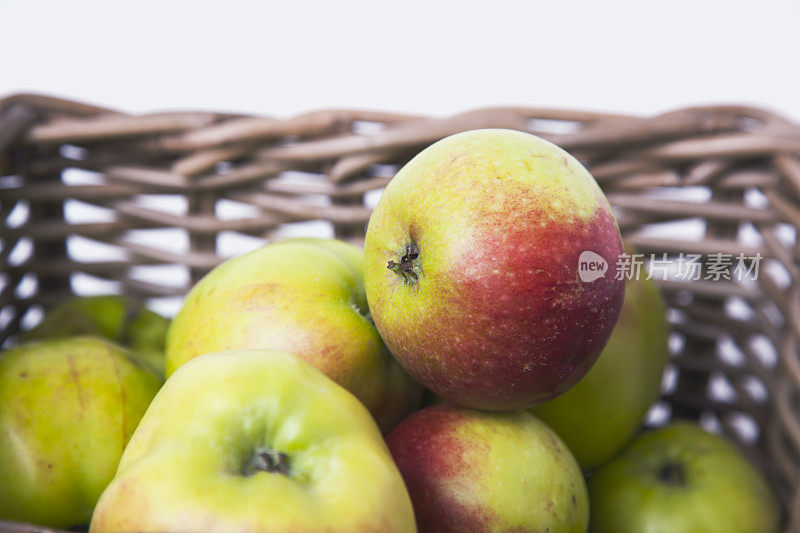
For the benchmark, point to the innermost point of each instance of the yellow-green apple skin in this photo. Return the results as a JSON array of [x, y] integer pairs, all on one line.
[[306, 297], [255, 440], [118, 318], [681, 479], [601, 414], [471, 269], [476, 471], [67, 410]]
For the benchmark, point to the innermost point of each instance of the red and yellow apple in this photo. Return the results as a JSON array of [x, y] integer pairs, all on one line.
[[303, 296], [476, 471], [471, 268]]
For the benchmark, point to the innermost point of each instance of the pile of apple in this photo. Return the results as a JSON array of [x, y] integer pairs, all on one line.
[[287, 367]]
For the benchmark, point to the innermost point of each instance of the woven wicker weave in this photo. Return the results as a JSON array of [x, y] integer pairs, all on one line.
[[732, 172]]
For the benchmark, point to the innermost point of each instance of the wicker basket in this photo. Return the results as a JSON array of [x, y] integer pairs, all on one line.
[[171, 191]]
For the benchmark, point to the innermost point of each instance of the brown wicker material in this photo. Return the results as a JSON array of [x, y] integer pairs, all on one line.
[[734, 171]]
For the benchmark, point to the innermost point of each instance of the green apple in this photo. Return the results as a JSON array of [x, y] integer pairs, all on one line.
[[118, 318], [67, 410], [472, 260], [255, 440], [602, 413], [306, 297], [469, 470], [681, 479]]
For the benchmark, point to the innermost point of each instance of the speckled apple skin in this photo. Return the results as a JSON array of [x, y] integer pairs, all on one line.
[[498, 318], [476, 471]]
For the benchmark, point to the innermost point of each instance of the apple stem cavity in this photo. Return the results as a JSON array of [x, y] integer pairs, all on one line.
[[407, 267], [266, 460], [673, 473]]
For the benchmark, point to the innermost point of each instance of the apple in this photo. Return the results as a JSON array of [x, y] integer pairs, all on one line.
[[470, 470], [303, 296], [67, 410], [255, 440], [681, 479], [471, 269], [118, 318], [601, 414]]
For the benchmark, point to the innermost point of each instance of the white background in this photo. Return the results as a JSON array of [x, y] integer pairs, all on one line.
[[281, 58]]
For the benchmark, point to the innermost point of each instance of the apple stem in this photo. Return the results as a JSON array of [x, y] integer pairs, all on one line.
[[265, 460], [673, 473], [406, 266]]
